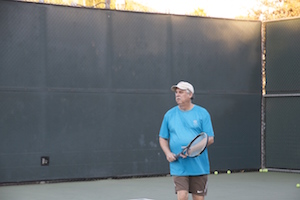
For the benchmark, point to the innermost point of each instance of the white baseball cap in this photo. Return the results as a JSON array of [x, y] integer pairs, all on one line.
[[183, 86]]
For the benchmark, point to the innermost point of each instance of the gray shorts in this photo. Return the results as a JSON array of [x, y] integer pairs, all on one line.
[[192, 184]]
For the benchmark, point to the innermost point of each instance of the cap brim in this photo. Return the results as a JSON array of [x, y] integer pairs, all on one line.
[[173, 88]]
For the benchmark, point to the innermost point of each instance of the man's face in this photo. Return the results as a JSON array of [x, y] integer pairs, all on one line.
[[182, 96]]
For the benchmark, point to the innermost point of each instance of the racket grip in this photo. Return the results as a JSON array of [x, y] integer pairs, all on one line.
[[177, 156]]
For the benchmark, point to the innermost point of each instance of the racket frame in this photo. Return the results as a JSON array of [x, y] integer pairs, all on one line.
[[186, 149]]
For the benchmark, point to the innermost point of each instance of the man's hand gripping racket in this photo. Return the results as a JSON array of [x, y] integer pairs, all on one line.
[[195, 147]]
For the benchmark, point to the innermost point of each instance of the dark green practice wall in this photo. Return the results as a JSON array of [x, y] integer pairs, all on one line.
[[88, 88]]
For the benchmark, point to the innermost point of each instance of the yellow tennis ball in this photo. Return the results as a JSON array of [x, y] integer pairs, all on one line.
[[228, 172], [298, 185], [216, 172], [260, 170], [265, 170]]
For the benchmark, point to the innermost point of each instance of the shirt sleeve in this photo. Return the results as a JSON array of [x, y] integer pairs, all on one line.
[[207, 125], [164, 131]]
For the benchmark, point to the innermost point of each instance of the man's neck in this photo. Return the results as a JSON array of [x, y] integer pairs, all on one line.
[[186, 107]]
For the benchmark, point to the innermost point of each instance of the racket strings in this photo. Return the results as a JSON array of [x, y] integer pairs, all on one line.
[[197, 146]]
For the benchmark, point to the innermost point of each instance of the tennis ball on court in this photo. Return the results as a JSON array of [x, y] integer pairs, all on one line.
[[265, 170], [298, 185], [260, 170], [228, 172], [216, 172]]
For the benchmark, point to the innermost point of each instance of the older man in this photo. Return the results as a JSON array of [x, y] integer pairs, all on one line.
[[180, 125]]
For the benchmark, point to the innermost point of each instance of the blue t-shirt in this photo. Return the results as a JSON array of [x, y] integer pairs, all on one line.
[[180, 127]]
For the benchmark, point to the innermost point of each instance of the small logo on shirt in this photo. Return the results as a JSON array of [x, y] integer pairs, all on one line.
[[195, 122]]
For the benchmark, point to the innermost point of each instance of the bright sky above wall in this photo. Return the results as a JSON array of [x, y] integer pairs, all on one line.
[[213, 8]]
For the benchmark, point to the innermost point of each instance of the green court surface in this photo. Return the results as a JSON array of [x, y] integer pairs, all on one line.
[[235, 186]]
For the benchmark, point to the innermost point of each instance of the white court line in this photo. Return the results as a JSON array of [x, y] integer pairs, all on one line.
[[141, 199]]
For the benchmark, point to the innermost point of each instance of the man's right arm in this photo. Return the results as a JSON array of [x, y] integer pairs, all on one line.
[[164, 144]]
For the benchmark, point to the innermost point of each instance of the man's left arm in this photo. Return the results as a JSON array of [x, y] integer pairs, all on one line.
[[211, 140]]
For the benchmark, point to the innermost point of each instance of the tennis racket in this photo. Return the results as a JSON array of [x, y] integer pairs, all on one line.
[[195, 147]]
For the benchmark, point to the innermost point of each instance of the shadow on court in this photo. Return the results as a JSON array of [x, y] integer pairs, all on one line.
[[235, 186]]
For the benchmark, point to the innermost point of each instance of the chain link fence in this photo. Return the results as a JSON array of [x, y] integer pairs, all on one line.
[[282, 98]]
